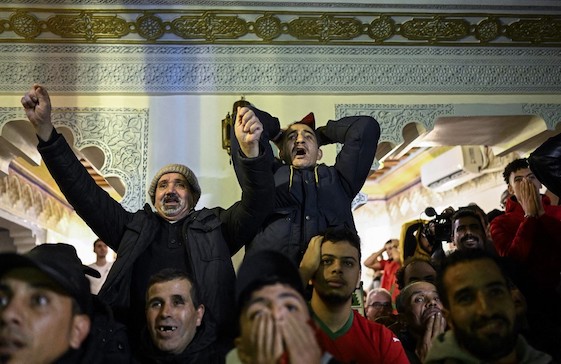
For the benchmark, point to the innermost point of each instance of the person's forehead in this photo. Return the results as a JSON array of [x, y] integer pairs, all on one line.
[[172, 176], [467, 220], [273, 293], [418, 288], [299, 127], [174, 287], [31, 277], [379, 297], [474, 274], [340, 249], [521, 172]]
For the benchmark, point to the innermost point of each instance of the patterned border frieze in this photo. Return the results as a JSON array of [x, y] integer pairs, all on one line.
[[120, 133], [279, 69], [394, 117], [227, 26]]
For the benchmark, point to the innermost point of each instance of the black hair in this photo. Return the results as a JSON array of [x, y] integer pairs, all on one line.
[[464, 256], [96, 240], [514, 166], [343, 233], [468, 211], [170, 274], [400, 274]]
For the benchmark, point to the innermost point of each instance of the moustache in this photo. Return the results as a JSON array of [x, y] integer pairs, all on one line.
[[469, 236], [172, 197], [484, 320]]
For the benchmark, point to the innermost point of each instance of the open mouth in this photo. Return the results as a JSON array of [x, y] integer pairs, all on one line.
[[167, 328], [300, 151]]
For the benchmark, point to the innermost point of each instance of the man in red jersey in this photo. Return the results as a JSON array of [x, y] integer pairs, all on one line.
[[332, 263]]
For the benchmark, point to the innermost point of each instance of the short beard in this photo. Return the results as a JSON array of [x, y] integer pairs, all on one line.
[[487, 348], [334, 298]]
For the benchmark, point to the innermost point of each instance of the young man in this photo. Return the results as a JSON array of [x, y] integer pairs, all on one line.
[[275, 323], [332, 264], [46, 310], [389, 266], [467, 230], [174, 317], [175, 235], [480, 310], [529, 234], [101, 265], [420, 306], [310, 197]]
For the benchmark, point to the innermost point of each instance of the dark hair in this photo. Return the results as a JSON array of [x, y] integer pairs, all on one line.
[[170, 274], [463, 256], [514, 166], [400, 274], [96, 240], [468, 211], [343, 233]]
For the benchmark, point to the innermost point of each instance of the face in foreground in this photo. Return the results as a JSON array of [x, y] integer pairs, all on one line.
[[422, 302], [173, 199], [338, 273], [300, 147], [36, 320], [171, 316], [481, 310], [267, 308], [468, 233]]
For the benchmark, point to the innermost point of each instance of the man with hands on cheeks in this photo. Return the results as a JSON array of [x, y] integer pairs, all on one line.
[[529, 233], [275, 323], [175, 235], [332, 265], [420, 305]]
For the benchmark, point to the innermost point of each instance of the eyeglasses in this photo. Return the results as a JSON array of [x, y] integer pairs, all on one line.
[[379, 305]]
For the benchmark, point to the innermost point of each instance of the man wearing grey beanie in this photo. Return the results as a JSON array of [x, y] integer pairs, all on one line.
[[175, 235]]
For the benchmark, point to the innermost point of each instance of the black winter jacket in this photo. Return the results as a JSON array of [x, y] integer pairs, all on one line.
[[212, 236], [308, 201]]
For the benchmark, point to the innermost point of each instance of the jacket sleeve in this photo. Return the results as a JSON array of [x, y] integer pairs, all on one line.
[[545, 164], [105, 216], [359, 136], [242, 221], [515, 246]]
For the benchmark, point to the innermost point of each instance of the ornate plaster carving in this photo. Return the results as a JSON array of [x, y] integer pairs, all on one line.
[[122, 135]]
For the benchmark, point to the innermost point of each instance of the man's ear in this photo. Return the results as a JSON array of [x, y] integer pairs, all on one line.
[[320, 153], [200, 313], [510, 189], [79, 330]]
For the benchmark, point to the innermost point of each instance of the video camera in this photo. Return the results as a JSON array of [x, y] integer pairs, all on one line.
[[438, 229]]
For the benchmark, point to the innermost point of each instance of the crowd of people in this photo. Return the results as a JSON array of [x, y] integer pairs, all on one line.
[[172, 295]]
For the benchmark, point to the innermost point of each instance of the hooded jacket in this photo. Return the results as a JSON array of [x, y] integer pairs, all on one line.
[[446, 350], [308, 201], [211, 236]]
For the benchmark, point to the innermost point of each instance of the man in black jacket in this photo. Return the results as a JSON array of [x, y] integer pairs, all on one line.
[[310, 197], [175, 235]]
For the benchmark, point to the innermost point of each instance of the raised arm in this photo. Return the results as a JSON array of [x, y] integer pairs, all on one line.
[[105, 216], [37, 105], [359, 136]]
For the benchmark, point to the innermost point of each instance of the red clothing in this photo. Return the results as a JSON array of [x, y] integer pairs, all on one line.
[[389, 280], [361, 341], [532, 242]]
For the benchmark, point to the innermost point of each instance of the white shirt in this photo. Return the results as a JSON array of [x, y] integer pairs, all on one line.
[[96, 283]]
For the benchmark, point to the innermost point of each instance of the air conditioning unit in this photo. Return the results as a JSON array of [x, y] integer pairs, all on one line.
[[453, 168]]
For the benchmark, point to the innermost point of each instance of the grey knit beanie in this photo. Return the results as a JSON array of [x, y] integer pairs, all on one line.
[[181, 169]]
